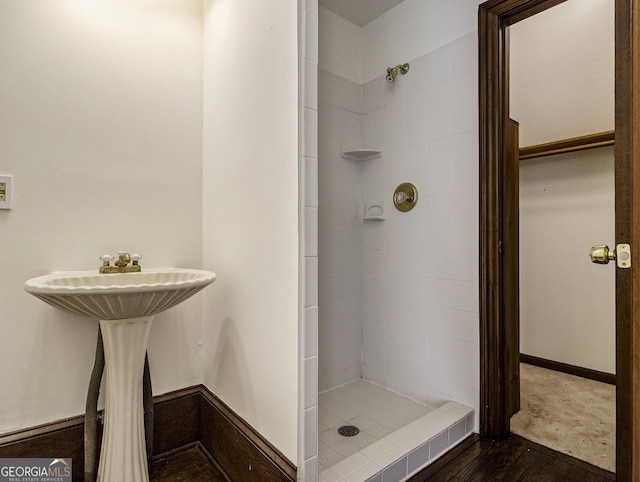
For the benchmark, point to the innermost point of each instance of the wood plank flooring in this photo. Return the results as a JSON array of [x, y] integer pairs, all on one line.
[[515, 459], [474, 460], [189, 465]]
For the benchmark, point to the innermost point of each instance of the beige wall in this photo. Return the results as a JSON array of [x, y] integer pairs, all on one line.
[[567, 306], [562, 86], [562, 72], [100, 125]]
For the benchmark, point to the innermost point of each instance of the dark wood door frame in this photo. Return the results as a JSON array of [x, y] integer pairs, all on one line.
[[494, 16]]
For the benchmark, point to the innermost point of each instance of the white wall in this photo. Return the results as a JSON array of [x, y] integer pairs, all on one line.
[[250, 211], [562, 67], [100, 125], [420, 281]]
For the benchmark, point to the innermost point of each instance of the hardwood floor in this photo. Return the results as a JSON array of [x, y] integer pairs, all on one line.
[[189, 465], [474, 460], [515, 459]]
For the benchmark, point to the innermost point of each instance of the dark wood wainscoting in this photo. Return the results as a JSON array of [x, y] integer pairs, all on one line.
[[596, 375], [182, 419]]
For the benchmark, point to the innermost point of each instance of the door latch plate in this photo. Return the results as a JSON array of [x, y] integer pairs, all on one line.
[[623, 256]]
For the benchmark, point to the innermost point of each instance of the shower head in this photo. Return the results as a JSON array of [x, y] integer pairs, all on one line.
[[392, 72]]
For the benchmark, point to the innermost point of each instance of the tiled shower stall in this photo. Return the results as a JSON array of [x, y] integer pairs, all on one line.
[[397, 299], [401, 291]]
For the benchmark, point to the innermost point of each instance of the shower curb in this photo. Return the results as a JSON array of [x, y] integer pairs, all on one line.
[[408, 450]]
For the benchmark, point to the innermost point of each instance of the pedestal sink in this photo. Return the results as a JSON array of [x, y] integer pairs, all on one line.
[[125, 305]]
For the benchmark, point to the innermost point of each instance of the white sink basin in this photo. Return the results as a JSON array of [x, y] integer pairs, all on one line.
[[121, 295], [125, 305]]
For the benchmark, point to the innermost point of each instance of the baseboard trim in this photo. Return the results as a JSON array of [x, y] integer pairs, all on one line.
[[182, 418], [604, 377], [241, 452]]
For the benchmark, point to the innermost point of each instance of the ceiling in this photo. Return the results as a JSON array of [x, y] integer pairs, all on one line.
[[360, 12]]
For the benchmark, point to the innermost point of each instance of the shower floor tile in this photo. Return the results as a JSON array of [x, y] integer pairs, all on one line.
[[376, 411]]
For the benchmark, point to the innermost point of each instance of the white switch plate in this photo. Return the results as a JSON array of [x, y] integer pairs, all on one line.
[[6, 192]]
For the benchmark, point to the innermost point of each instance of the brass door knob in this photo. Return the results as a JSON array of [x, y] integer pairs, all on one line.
[[601, 254]]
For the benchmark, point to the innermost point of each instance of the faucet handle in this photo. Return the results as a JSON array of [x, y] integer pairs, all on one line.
[[106, 259], [135, 257]]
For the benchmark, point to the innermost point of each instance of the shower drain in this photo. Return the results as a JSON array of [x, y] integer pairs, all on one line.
[[348, 430]]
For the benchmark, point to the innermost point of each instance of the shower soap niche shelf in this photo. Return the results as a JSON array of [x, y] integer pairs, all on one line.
[[374, 211], [361, 154]]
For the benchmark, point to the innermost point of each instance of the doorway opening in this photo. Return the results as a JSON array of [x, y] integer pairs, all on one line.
[[498, 326], [561, 74]]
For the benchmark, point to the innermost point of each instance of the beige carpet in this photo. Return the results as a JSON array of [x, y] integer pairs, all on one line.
[[569, 414]]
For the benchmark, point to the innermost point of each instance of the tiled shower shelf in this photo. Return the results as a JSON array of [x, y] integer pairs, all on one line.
[[361, 154], [409, 449]]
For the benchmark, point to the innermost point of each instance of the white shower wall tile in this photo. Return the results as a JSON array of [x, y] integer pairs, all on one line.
[[311, 182], [311, 382], [311, 439], [340, 92], [439, 208], [374, 121], [311, 6], [439, 115], [416, 237], [439, 65], [465, 102], [311, 35], [464, 236], [439, 152], [308, 167], [418, 301], [393, 132], [417, 81], [465, 206], [310, 133], [310, 331], [439, 180], [465, 266], [311, 84], [464, 54], [373, 95], [464, 176], [414, 118], [311, 231], [465, 147], [311, 282]]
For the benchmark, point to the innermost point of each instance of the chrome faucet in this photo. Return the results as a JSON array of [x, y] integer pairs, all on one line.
[[122, 263]]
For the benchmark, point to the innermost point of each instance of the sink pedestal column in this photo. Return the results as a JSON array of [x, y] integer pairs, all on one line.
[[123, 456]]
